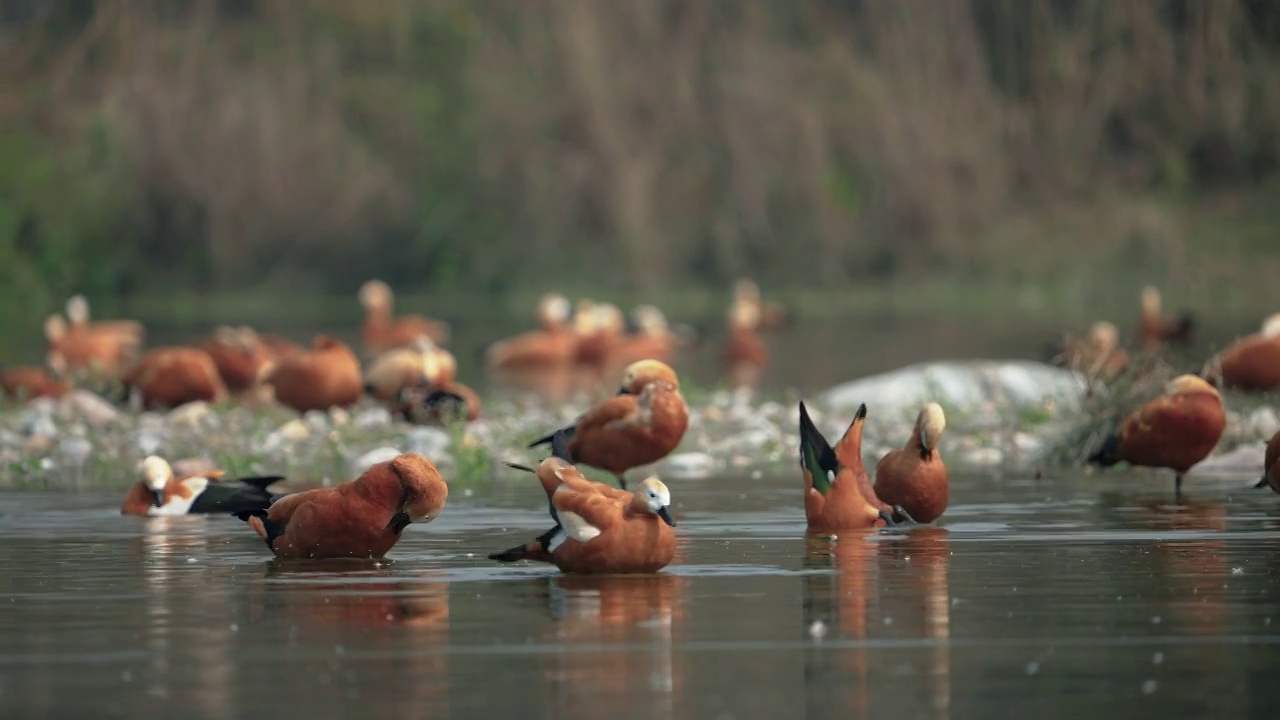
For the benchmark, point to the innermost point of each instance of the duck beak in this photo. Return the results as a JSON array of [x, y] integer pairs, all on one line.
[[623, 390], [666, 517], [399, 522], [157, 498]]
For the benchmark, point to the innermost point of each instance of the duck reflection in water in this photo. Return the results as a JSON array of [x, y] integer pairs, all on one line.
[[900, 577], [327, 604], [614, 610]]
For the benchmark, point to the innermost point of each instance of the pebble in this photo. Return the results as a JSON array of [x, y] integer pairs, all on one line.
[[689, 465]]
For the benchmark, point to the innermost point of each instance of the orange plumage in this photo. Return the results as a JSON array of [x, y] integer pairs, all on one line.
[[653, 340], [639, 426], [1158, 330], [383, 331], [359, 519], [915, 478], [79, 350], [167, 377], [241, 358], [600, 529], [24, 382], [1252, 363], [553, 344], [1175, 431], [327, 375], [838, 496]]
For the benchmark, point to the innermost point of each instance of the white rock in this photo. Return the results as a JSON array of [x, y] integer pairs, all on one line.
[[374, 417], [1244, 463], [39, 424], [965, 384], [289, 433], [339, 416], [689, 465], [1264, 423], [192, 414], [371, 458], [87, 406], [75, 450], [430, 442], [148, 442], [317, 420]]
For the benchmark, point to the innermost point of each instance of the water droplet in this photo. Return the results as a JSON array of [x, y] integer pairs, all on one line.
[[1157, 659], [338, 650], [1149, 687], [235, 627], [817, 630], [1155, 619], [1033, 667]]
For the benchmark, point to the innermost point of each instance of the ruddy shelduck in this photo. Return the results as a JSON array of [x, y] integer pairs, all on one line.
[[241, 358], [1158, 330], [600, 529], [383, 331], [744, 352], [773, 315], [26, 382], [640, 425], [80, 351], [1271, 465], [400, 368], [166, 377], [1098, 355], [915, 478], [553, 344], [1175, 431], [363, 518], [653, 339], [159, 492], [598, 327], [327, 375], [838, 496], [1250, 364], [78, 316]]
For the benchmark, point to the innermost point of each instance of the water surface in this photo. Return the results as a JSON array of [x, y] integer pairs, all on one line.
[[1061, 597]]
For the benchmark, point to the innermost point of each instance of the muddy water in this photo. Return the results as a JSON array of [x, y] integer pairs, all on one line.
[[1060, 597]]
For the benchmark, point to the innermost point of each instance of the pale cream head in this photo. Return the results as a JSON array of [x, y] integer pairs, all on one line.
[[1151, 300], [930, 423], [655, 494], [554, 308], [1271, 326], [744, 315], [650, 319], [77, 309], [375, 295], [609, 317], [642, 372], [1104, 335], [585, 317], [155, 471], [55, 328], [1189, 385]]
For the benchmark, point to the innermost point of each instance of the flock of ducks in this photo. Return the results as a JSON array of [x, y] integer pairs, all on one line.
[[596, 527]]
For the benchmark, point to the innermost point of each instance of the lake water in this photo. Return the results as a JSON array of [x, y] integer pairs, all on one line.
[[1061, 597]]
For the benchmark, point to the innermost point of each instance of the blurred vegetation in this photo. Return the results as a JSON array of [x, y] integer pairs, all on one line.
[[458, 146]]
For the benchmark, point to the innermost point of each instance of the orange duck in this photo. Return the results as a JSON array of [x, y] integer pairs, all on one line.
[[161, 493], [1158, 330], [241, 358], [326, 376], [744, 353], [915, 478], [130, 331], [1250, 364], [281, 347], [25, 382], [80, 351], [600, 529], [553, 344], [1098, 355], [1175, 431], [838, 496], [441, 399], [773, 316], [382, 331], [653, 339], [1270, 466], [358, 519], [166, 377], [399, 368], [598, 327], [640, 425]]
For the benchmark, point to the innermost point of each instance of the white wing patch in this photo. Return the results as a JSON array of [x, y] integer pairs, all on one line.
[[557, 540], [178, 505], [831, 476], [576, 527]]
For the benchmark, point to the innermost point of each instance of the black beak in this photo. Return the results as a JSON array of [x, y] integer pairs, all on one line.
[[1261, 484], [399, 522], [157, 497], [666, 517], [623, 390], [518, 466]]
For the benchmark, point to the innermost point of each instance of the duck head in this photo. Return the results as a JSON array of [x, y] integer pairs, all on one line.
[[156, 473], [654, 498], [641, 373]]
